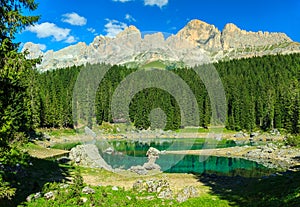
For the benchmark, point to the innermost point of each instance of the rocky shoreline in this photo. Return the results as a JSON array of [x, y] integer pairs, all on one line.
[[265, 151], [270, 155], [274, 156]]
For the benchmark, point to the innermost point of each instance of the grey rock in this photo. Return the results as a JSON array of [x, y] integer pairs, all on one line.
[[88, 155], [37, 195], [166, 194], [151, 185], [89, 132], [239, 135], [151, 166], [275, 132], [29, 198], [156, 186], [233, 37], [115, 188], [64, 185], [87, 190], [49, 195], [84, 199], [138, 186], [46, 137], [34, 50], [186, 193], [109, 150], [152, 154], [140, 170]]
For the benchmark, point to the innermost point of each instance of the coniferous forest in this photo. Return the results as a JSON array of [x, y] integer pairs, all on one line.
[[261, 93]]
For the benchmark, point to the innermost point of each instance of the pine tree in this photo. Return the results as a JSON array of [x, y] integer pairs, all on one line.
[[15, 104]]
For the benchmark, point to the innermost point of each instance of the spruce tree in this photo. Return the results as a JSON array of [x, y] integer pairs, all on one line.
[[15, 105]]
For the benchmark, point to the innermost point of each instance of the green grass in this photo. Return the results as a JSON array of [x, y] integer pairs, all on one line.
[[32, 146], [276, 191], [66, 146], [205, 201], [204, 130], [104, 196], [193, 130], [58, 132], [155, 64]]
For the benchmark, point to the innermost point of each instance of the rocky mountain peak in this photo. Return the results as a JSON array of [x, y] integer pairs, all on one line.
[[198, 40], [34, 50], [201, 34], [233, 37], [196, 23], [129, 31], [230, 27]]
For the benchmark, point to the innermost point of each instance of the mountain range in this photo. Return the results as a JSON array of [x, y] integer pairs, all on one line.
[[198, 42]]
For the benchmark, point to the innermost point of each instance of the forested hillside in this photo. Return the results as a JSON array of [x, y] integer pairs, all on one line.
[[262, 93]]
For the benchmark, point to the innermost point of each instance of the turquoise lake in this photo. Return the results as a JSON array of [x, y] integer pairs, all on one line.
[[129, 153]]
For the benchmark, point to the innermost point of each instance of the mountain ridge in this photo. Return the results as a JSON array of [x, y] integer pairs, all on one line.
[[198, 42]]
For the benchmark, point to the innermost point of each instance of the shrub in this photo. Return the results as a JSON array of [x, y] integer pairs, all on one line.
[[6, 192], [293, 140]]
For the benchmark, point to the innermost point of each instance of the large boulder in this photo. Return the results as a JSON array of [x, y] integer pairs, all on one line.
[[88, 155], [152, 155]]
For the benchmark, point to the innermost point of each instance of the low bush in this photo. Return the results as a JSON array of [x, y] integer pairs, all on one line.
[[293, 140]]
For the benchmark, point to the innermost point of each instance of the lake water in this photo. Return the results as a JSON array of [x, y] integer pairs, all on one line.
[[130, 153]]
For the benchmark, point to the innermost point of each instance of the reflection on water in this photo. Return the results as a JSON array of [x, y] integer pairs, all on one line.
[[132, 153], [216, 165]]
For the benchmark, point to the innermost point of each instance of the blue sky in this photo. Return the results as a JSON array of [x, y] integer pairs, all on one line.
[[67, 22]]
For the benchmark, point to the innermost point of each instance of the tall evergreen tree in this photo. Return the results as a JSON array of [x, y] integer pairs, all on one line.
[[15, 103]]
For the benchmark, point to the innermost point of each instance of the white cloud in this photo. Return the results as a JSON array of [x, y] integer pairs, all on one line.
[[130, 18], [92, 30], [70, 39], [114, 27], [159, 3], [47, 29], [42, 47], [74, 19], [123, 1]]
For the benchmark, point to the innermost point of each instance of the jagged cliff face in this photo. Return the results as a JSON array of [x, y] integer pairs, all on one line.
[[233, 37], [201, 34], [198, 42]]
